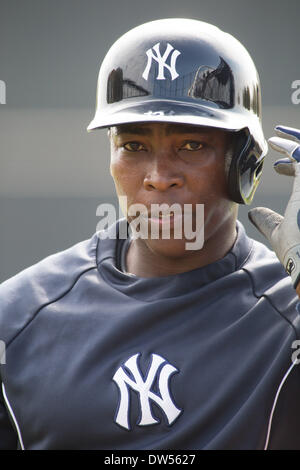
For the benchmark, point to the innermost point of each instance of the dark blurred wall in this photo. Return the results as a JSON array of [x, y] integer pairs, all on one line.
[[53, 175]]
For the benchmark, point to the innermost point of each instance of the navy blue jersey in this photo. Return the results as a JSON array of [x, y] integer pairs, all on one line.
[[99, 359]]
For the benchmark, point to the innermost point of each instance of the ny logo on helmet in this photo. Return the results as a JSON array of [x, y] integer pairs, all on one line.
[[160, 370], [161, 60]]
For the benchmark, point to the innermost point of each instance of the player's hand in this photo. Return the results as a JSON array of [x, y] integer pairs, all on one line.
[[283, 233]]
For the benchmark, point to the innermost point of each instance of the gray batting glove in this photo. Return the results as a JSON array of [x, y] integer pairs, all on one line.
[[283, 233]]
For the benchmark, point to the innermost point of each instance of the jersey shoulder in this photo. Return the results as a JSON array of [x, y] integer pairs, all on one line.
[[270, 280], [46, 281]]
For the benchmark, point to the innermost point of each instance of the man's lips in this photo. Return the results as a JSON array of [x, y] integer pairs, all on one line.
[[164, 219], [175, 221], [168, 217], [160, 212]]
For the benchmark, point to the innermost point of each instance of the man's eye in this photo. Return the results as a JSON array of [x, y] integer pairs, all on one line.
[[192, 145], [133, 146]]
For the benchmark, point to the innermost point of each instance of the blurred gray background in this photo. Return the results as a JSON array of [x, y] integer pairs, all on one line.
[[53, 174]]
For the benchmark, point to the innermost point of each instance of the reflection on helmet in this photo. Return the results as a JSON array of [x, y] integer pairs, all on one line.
[[215, 85]]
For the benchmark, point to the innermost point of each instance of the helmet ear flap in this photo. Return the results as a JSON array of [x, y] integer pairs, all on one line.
[[246, 167]]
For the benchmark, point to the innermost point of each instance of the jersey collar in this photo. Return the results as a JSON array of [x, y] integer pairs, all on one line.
[[108, 263]]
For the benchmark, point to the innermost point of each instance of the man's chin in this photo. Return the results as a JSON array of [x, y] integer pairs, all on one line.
[[173, 248]]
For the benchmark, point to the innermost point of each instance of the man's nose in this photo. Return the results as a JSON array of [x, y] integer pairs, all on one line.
[[163, 174]]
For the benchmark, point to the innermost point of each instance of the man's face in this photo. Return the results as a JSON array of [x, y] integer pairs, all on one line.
[[162, 163]]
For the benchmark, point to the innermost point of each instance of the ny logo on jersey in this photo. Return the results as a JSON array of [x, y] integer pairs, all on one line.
[[160, 370], [161, 60]]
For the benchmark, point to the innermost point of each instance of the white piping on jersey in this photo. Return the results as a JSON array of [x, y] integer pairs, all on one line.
[[275, 402], [13, 417]]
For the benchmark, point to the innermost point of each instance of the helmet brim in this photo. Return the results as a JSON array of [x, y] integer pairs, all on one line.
[[176, 112], [164, 111]]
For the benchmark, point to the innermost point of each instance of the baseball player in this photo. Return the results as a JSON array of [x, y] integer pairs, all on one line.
[[142, 342]]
